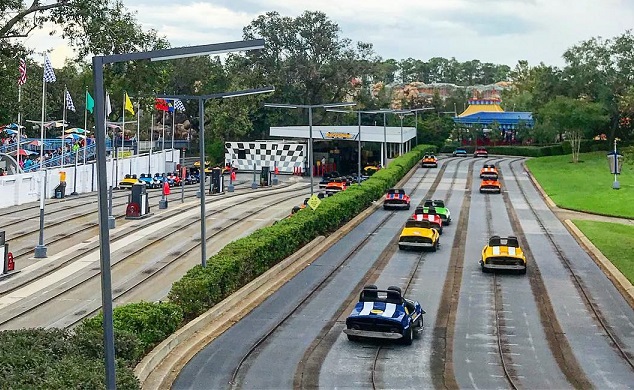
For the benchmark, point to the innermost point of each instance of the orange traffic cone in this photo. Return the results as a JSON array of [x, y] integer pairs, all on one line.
[[166, 188], [277, 171]]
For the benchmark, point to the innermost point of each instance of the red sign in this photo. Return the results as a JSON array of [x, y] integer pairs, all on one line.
[[10, 263]]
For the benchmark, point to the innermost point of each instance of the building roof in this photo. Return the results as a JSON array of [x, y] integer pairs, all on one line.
[[506, 120], [476, 106]]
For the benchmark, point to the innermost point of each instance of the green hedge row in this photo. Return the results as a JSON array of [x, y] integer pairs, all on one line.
[[537, 151], [63, 359], [245, 259]]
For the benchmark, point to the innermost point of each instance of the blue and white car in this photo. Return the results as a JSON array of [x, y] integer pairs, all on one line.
[[384, 314]]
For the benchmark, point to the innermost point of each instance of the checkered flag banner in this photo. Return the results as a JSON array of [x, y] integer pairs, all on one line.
[[178, 105], [49, 75], [69, 102]]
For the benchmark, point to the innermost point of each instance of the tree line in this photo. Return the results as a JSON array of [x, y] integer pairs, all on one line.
[[309, 62]]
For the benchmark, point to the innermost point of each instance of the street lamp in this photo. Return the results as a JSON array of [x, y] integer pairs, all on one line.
[[98, 63], [310, 127], [358, 112], [201, 114], [415, 110], [401, 114]]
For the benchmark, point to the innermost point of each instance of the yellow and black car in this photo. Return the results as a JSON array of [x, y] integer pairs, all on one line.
[[419, 235], [503, 253], [129, 180]]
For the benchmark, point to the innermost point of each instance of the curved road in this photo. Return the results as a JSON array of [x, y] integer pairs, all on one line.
[[562, 325]]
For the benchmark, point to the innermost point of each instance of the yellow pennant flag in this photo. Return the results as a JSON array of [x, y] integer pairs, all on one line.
[[128, 104]]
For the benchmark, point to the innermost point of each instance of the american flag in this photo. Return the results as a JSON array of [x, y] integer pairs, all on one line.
[[178, 105], [49, 75], [69, 102], [22, 69]]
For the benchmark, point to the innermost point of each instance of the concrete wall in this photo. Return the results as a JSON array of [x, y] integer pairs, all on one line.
[[26, 187]]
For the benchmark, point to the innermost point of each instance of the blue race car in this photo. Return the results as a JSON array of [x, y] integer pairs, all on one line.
[[384, 314]]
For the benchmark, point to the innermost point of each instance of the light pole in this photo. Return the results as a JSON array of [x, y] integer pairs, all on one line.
[[358, 112], [402, 114], [98, 63], [310, 127], [415, 111], [201, 114]]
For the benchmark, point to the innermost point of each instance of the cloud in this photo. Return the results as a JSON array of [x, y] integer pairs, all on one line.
[[498, 31]]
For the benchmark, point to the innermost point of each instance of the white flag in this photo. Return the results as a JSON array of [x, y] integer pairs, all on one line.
[[108, 107]]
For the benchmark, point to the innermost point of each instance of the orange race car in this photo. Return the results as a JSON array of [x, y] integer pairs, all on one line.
[[429, 161], [490, 186], [336, 185], [489, 171]]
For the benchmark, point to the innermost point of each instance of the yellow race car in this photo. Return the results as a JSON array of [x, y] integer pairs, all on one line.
[[503, 253], [419, 235], [130, 180]]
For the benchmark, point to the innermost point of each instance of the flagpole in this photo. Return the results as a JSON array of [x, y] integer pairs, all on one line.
[[19, 121], [40, 249], [149, 167], [138, 122], [163, 142], [86, 125], [173, 130], [64, 129]]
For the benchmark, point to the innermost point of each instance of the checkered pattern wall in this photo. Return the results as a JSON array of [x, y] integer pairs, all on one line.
[[288, 156]]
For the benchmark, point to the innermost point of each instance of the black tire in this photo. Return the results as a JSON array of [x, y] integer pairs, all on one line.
[[485, 270], [401, 247], [408, 336], [522, 271], [419, 326], [353, 338], [408, 206], [435, 247]]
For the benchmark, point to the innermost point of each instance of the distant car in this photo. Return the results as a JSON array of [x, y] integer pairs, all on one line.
[[173, 176], [429, 161], [370, 170], [396, 198], [503, 254], [150, 182], [489, 171], [441, 209], [460, 152], [428, 214], [327, 178], [336, 185], [419, 235], [492, 186], [129, 180], [480, 152], [384, 314]]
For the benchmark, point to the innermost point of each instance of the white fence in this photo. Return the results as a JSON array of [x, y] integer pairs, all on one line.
[[25, 187]]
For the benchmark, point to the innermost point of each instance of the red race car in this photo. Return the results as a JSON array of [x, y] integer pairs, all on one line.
[[431, 216], [396, 198]]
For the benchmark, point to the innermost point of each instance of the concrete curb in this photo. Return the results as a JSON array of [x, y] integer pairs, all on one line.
[[161, 366], [616, 277]]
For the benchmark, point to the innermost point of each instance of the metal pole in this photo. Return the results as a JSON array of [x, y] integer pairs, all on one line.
[[40, 249], [400, 147], [183, 177], [310, 148], [384, 156], [86, 125], [173, 130], [104, 234], [149, 163], [359, 147], [75, 176], [19, 122], [416, 112], [203, 229], [138, 123]]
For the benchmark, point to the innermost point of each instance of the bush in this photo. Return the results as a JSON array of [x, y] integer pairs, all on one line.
[[245, 259], [151, 323], [50, 359]]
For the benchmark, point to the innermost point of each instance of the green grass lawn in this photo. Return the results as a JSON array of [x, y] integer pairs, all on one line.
[[614, 240], [587, 185]]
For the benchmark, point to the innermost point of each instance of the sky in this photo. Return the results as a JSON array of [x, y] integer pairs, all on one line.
[[497, 31]]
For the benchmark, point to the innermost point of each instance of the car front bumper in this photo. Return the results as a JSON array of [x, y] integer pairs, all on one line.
[[491, 189], [509, 267], [416, 244], [389, 205]]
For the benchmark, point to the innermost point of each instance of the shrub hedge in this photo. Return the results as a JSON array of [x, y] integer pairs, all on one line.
[[537, 151], [64, 359], [245, 259]]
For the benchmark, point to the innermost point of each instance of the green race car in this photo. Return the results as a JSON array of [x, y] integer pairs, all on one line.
[[441, 210]]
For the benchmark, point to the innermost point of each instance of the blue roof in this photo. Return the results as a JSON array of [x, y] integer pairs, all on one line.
[[506, 120]]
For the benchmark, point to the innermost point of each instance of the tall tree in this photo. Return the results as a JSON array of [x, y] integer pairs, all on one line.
[[577, 118]]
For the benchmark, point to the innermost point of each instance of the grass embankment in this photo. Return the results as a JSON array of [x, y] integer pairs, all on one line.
[[585, 186], [614, 240]]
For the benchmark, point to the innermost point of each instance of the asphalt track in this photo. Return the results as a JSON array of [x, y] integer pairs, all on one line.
[[563, 325]]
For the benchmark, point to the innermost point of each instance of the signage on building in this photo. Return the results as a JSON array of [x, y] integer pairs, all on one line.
[[337, 135]]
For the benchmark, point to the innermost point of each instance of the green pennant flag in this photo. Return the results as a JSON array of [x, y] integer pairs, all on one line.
[[90, 102]]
